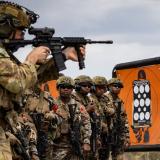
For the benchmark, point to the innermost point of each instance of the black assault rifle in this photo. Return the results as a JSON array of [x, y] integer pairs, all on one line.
[[44, 36], [95, 132], [23, 148], [75, 132], [42, 137]]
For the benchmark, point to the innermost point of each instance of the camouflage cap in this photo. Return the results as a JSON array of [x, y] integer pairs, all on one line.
[[115, 81], [65, 80], [98, 80], [83, 79], [16, 15]]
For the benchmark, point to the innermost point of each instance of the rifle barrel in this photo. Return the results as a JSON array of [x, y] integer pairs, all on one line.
[[104, 42]]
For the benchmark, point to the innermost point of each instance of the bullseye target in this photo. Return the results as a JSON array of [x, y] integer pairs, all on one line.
[[141, 103]]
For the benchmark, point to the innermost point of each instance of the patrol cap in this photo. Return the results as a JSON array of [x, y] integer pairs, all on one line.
[[17, 16], [65, 80], [83, 79], [116, 81], [98, 80]]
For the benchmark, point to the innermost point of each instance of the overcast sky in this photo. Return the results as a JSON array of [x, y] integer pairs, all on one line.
[[133, 25]]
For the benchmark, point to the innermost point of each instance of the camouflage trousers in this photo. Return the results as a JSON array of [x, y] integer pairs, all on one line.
[[47, 151], [91, 156], [103, 153], [5, 150], [62, 149], [116, 153], [64, 154], [118, 157]]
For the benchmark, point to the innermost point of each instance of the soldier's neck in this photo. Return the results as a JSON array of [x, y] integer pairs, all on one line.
[[65, 99], [115, 96]]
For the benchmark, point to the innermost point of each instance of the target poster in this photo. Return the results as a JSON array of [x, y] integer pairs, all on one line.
[[141, 103], [141, 96]]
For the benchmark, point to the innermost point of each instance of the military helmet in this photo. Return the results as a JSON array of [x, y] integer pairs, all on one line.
[[65, 80], [98, 80], [13, 16], [115, 81], [83, 79]]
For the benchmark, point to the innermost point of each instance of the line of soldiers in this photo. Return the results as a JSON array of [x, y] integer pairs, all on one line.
[[85, 122], [33, 125], [110, 130]]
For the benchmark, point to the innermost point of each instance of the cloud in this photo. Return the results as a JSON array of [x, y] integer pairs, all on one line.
[[101, 60], [134, 26]]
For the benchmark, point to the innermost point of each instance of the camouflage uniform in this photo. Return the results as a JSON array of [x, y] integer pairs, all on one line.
[[104, 110], [63, 139], [40, 106], [82, 96], [15, 79], [120, 129]]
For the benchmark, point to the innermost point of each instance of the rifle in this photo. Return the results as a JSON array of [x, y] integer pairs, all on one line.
[[42, 138], [44, 36], [117, 127], [75, 132], [94, 128], [21, 149]]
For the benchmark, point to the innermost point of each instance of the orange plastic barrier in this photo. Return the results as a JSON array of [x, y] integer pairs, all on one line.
[[141, 96]]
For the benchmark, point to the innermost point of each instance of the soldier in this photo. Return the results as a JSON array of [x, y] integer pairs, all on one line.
[[40, 106], [72, 140], [83, 86], [120, 129], [16, 78], [104, 110]]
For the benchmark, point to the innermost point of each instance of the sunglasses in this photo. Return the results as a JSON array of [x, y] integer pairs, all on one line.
[[66, 87], [117, 86]]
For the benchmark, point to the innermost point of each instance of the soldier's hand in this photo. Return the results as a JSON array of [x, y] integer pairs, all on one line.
[[90, 107], [71, 54], [38, 55], [34, 157], [86, 148], [104, 127], [110, 111], [126, 144], [98, 143], [13, 140], [50, 115]]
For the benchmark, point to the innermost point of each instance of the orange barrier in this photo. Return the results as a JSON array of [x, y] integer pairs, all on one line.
[[141, 96], [51, 87]]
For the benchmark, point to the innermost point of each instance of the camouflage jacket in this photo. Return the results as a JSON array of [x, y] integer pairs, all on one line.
[[84, 100], [14, 78], [47, 71], [105, 109], [41, 103], [80, 115], [120, 119]]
